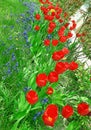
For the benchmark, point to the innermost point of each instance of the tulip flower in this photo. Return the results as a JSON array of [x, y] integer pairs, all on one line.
[[46, 42], [55, 42], [53, 77], [49, 90], [37, 28], [50, 115], [37, 16], [41, 80], [83, 109], [67, 111], [60, 67], [73, 66], [32, 97]]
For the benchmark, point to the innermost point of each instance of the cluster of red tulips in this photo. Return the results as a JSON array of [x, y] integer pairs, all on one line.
[[52, 13], [53, 76], [51, 113]]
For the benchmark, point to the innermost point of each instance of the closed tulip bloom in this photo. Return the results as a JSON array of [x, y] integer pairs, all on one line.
[[65, 51], [60, 67], [49, 90], [46, 42], [37, 28], [57, 55], [83, 109], [32, 97], [67, 111], [55, 42], [53, 76], [63, 39], [50, 115], [41, 80], [37, 16], [44, 1], [73, 66]]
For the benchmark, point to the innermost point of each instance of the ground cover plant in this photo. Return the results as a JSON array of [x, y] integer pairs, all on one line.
[[42, 83]]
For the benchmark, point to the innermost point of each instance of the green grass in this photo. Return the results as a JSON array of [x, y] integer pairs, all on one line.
[[15, 112]]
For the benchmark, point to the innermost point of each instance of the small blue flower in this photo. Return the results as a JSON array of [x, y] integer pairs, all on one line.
[[25, 32], [13, 57], [44, 101], [39, 113], [8, 63], [17, 64], [49, 36], [27, 89], [12, 26], [8, 71], [10, 48], [25, 37], [34, 118], [10, 38], [42, 112]]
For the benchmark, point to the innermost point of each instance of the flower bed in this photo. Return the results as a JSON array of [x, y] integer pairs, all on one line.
[[43, 84]]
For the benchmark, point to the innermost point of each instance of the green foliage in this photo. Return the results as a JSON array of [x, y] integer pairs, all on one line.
[[73, 88]]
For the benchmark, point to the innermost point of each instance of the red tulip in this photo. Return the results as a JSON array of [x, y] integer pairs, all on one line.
[[67, 111], [57, 55], [44, 1], [60, 20], [73, 26], [37, 16], [50, 30], [44, 10], [66, 25], [73, 65], [41, 79], [65, 51], [50, 115], [83, 109], [32, 97], [49, 90], [52, 24], [63, 39], [78, 35], [46, 42], [65, 14], [61, 31], [50, 7], [59, 11], [37, 27], [49, 17], [60, 67], [53, 13], [54, 42], [66, 65], [69, 35], [57, 16], [53, 76]]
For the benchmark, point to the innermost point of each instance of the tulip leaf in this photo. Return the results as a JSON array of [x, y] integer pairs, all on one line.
[[32, 82], [74, 125]]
